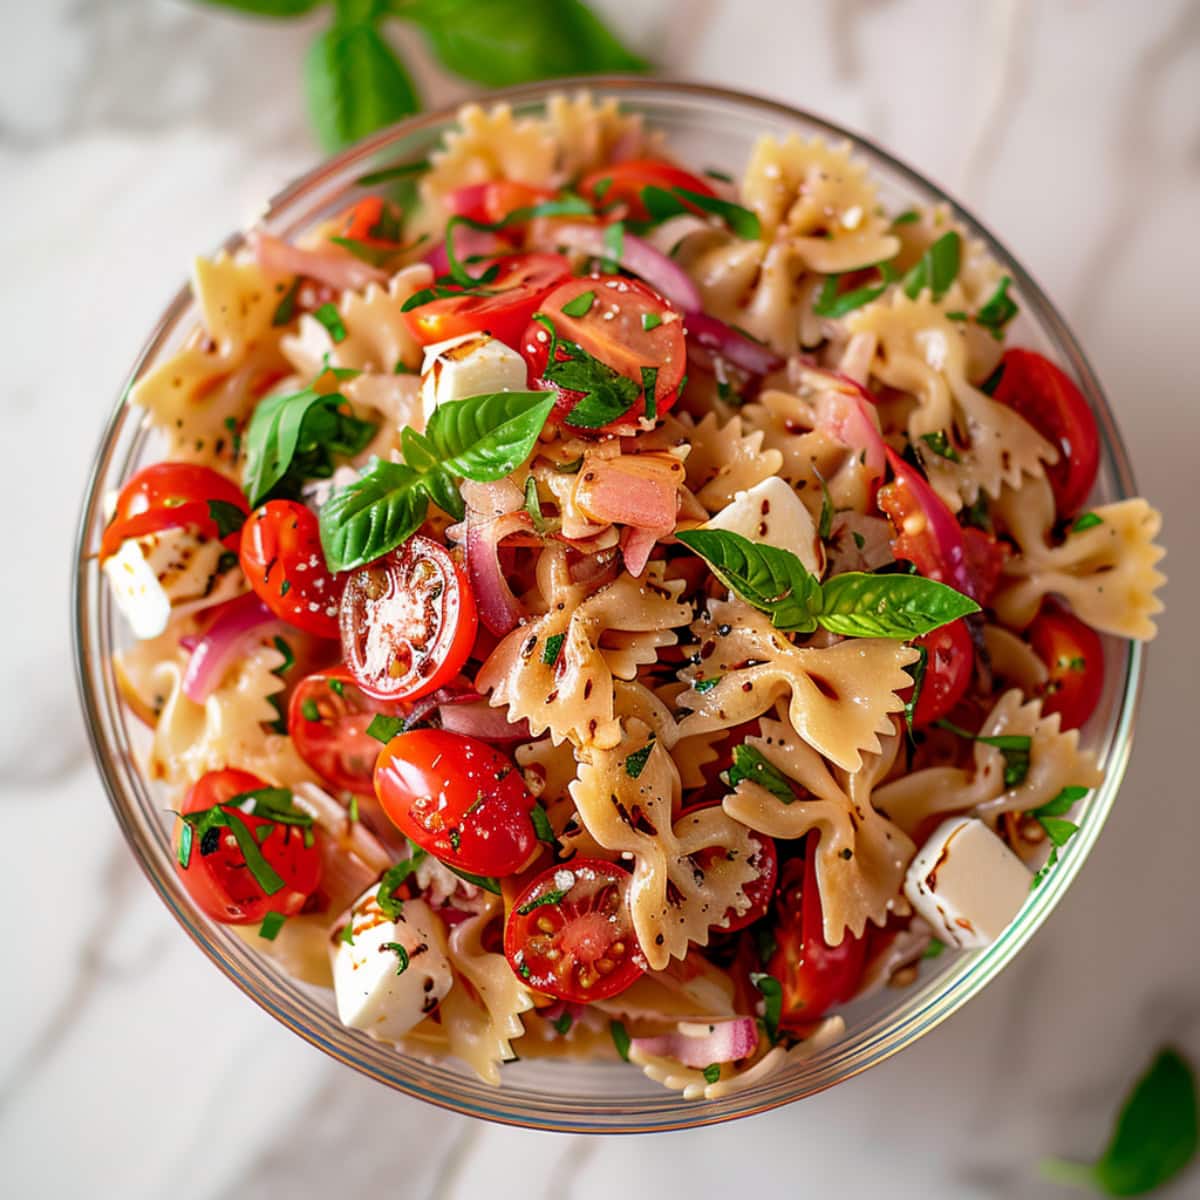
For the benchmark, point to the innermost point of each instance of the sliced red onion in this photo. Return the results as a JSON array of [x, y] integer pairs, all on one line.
[[478, 719], [665, 237], [847, 410], [638, 258], [724, 340], [499, 609], [700, 1045], [220, 645], [334, 266], [468, 243]]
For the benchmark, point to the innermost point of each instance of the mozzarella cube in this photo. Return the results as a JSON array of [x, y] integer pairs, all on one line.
[[168, 572], [966, 883], [472, 365], [376, 992], [771, 514]]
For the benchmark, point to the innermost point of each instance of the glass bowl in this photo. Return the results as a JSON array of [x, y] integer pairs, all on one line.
[[704, 126]]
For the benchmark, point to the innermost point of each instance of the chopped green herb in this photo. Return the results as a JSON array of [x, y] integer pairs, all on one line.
[[487, 882], [551, 897], [228, 517], [706, 685], [552, 648], [620, 1037], [402, 368], [337, 687], [352, 809], [712, 1073], [650, 392], [383, 728], [957, 314], [600, 189], [396, 171], [977, 513], [185, 845], [940, 444], [999, 309], [752, 764], [825, 523], [329, 316], [581, 305], [533, 506], [635, 763], [723, 176], [347, 934], [614, 241], [859, 540], [272, 923], [917, 671], [607, 395], [310, 710], [829, 303], [907, 217], [992, 382], [524, 971], [568, 468], [934, 948], [650, 320], [562, 1023], [455, 840], [1014, 747], [772, 994], [286, 308], [393, 877], [401, 955], [744, 223], [1087, 520], [1155, 1137], [937, 269], [541, 825]]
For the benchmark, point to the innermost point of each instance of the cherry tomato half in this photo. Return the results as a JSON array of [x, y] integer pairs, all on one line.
[[1074, 657], [282, 557], [570, 933], [627, 326], [408, 621], [216, 875], [814, 975], [759, 890], [167, 495], [328, 716], [1049, 400], [458, 798], [515, 295], [622, 183], [492, 202], [949, 661]]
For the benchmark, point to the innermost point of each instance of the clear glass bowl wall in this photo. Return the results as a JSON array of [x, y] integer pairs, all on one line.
[[704, 127]]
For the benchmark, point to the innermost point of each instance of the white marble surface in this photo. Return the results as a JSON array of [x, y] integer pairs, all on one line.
[[133, 132]]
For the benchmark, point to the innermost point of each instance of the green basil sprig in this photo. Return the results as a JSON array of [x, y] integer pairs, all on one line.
[[663, 203], [607, 395], [295, 437], [482, 438], [937, 269], [855, 604], [1156, 1135]]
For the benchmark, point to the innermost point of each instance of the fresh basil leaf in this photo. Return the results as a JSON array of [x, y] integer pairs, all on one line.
[[992, 382], [355, 84], [635, 763], [381, 509], [227, 517], [937, 269], [917, 672], [383, 728], [264, 874], [999, 309], [607, 395], [562, 1023], [286, 309], [1087, 520], [1059, 832], [908, 217], [533, 506], [1062, 803], [401, 955], [712, 1073], [272, 923], [186, 838], [551, 897], [581, 305], [825, 521], [662, 204], [552, 648], [1014, 748], [620, 1037], [1155, 1138], [393, 877], [705, 685], [941, 445], [650, 320], [713, 173], [486, 882], [751, 764], [744, 223], [829, 303], [934, 949], [376, 256], [347, 934], [329, 316], [514, 41], [772, 994], [650, 392], [267, 8], [772, 580], [541, 825], [859, 604]]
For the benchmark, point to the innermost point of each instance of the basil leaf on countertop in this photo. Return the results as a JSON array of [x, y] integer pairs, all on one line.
[[1155, 1137]]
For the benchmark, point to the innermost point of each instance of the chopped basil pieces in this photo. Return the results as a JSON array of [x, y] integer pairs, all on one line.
[[551, 897], [940, 444], [1014, 747], [917, 671], [999, 309], [620, 1037], [272, 923], [552, 648], [581, 305], [401, 955], [650, 320], [635, 763], [393, 877], [310, 710], [1087, 520], [329, 316], [937, 269], [383, 728], [712, 1073], [772, 994], [752, 764]]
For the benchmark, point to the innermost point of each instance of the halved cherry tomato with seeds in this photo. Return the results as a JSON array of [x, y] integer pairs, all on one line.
[[408, 621], [627, 326], [759, 890], [949, 661], [216, 875], [328, 717], [570, 933], [502, 308], [814, 975], [169, 495], [1046, 396], [282, 557], [622, 183], [458, 798], [1074, 656]]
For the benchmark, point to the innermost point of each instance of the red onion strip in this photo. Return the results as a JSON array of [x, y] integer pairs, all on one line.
[[478, 719], [334, 266], [219, 646], [722, 339]]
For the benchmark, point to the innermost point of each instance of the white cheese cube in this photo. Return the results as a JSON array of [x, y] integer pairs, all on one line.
[[471, 365], [375, 990], [173, 570], [967, 883], [771, 514]]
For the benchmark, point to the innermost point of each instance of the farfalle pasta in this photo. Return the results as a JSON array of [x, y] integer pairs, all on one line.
[[581, 611]]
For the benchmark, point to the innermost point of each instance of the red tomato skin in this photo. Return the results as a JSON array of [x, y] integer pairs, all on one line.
[[814, 975], [1074, 656], [167, 495], [759, 890], [490, 203], [1046, 396], [430, 782], [283, 561], [337, 745], [627, 179], [524, 281], [219, 883], [586, 935], [950, 660], [613, 343], [374, 591]]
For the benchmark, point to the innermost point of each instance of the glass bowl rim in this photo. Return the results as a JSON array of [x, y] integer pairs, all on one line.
[[966, 983]]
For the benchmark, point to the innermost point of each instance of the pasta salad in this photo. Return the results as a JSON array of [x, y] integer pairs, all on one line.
[[589, 605]]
